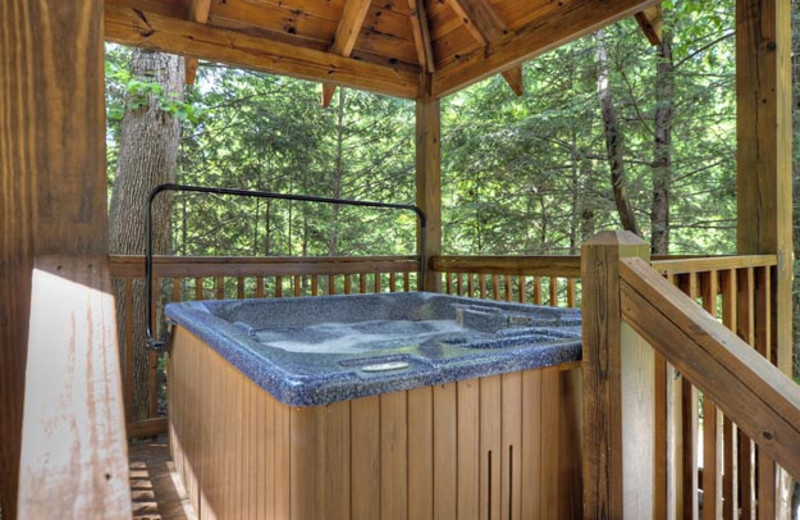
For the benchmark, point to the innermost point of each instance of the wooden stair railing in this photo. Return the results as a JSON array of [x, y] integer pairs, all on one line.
[[755, 394], [74, 461], [636, 323]]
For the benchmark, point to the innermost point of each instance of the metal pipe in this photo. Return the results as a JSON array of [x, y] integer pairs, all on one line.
[[148, 259]]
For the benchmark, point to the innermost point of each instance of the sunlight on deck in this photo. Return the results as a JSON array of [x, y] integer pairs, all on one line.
[[156, 489]]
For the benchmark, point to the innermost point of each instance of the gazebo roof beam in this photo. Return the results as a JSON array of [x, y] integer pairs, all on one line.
[[128, 25], [486, 26], [198, 12], [651, 23], [422, 35], [563, 23], [353, 16]]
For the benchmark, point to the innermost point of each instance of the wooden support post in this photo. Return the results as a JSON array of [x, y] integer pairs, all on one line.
[[764, 157], [53, 204], [764, 139], [429, 190], [618, 389]]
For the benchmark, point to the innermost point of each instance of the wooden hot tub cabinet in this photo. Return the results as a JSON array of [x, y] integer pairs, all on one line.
[[498, 447]]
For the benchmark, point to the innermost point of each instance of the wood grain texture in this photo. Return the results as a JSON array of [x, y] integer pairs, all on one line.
[[559, 24], [764, 151], [54, 190], [416, 454], [429, 178], [127, 24], [618, 378], [746, 387], [74, 449]]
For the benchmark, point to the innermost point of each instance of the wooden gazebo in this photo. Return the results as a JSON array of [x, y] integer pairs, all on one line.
[[63, 432]]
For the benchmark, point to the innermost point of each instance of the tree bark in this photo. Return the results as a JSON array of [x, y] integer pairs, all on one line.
[[662, 153], [613, 135], [333, 239], [148, 154]]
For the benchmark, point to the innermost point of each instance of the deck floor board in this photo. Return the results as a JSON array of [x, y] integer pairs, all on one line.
[[156, 488]]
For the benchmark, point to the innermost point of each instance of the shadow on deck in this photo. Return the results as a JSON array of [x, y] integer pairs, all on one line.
[[156, 489]]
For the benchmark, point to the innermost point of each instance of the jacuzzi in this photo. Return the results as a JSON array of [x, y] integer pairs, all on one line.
[[398, 405]]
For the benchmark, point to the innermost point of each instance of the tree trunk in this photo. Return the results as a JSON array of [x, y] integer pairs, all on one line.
[[333, 240], [148, 154], [662, 153], [613, 134]]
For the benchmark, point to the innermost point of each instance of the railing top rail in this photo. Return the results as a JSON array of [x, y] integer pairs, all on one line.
[[564, 266], [713, 263]]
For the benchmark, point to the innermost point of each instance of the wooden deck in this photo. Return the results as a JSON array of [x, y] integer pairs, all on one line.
[[156, 489]]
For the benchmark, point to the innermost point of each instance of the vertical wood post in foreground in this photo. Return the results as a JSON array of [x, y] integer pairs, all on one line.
[[429, 176], [618, 389], [53, 205]]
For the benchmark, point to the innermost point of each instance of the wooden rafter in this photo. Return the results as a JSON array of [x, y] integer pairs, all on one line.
[[513, 77], [128, 25], [651, 23], [563, 23], [198, 12], [422, 35], [482, 21], [353, 16]]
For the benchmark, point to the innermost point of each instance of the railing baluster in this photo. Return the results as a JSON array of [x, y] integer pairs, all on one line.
[[522, 288], [495, 287], [240, 288], [482, 285], [259, 286], [507, 287], [553, 291], [763, 344], [176, 290], [220, 287], [712, 440], [278, 287], [297, 285], [331, 285], [348, 284], [448, 278], [376, 278], [537, 290], [470, 288], [198, 289], [459, 286], [689, 399], [362, 283], [570, 292], [392, 282], [314, 285], [406, 281], [128, 383], [746, 331]]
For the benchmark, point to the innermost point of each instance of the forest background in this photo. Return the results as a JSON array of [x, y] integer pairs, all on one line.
[[611, 132]]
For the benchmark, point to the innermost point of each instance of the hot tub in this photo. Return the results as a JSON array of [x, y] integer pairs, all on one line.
[[400, 405]]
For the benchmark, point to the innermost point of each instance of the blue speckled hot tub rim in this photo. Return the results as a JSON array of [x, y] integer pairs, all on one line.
[[325, 387]]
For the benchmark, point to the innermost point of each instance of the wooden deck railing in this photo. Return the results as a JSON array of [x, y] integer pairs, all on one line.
[[202, 278], [715, 374], [541, 280]]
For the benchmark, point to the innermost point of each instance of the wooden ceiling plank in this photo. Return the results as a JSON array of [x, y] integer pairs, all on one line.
[[353, 16], [567, 22], [651, 23], [481, 20], [422, 35], [128, 25], [513, 77], [198, 12]]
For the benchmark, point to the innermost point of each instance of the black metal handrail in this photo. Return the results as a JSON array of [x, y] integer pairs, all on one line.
[[148, 260]]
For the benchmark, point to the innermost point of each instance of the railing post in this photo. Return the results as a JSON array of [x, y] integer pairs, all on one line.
[[618, 389]]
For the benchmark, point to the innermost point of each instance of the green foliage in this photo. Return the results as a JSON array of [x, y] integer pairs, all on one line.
[[522, 175]]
